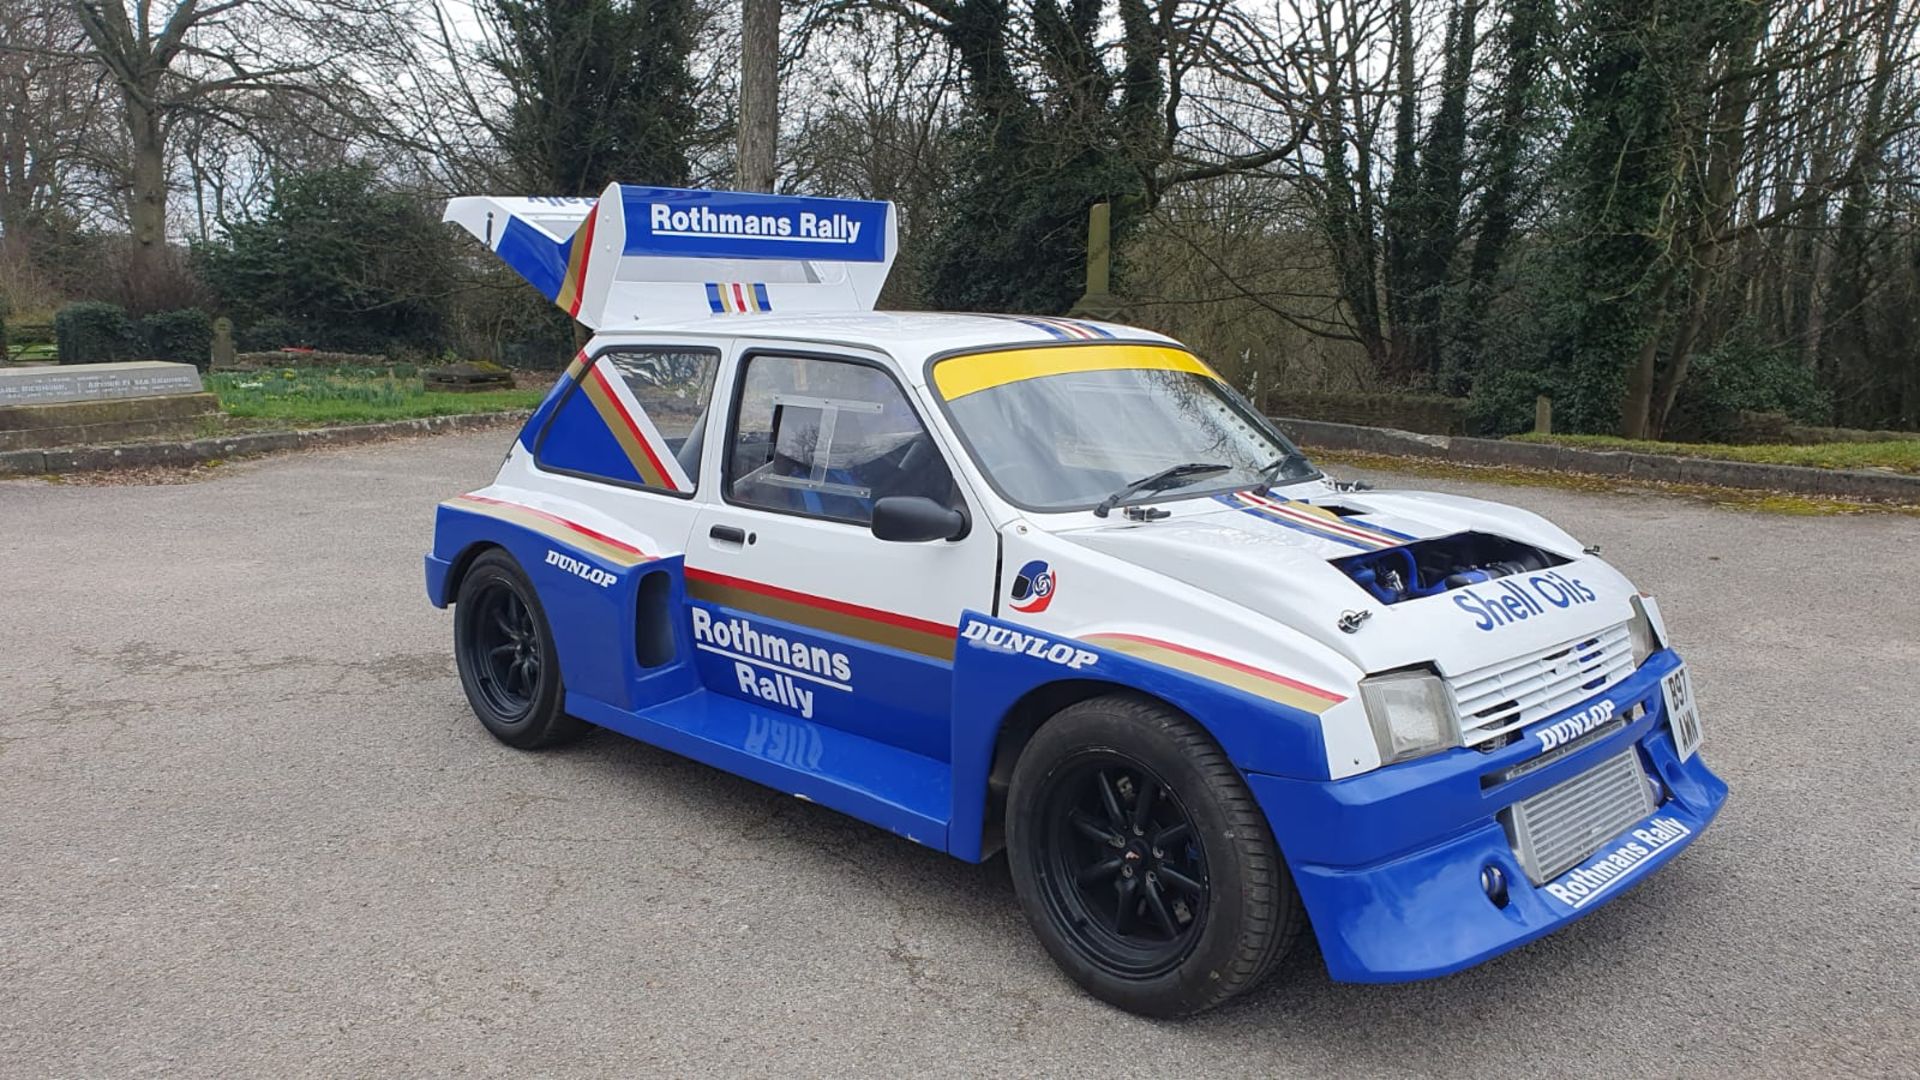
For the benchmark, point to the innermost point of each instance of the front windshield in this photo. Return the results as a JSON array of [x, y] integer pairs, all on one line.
[[1067, 428]]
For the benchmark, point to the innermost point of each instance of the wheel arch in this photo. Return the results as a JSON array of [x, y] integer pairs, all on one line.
[[1018, 725], [463, 562]]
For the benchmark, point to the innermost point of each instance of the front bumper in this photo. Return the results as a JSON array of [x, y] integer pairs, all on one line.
[[1389, 864]]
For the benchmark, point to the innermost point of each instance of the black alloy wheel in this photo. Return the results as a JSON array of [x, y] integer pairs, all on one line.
[[505, 651], [1142, 861], [1125, 875], [506, 645]]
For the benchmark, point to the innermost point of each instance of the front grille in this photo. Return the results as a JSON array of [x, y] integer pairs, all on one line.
[[1557, 828], [1511, 694]]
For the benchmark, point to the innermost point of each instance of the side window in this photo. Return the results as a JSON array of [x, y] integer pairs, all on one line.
[[637, 416], [827, 438]]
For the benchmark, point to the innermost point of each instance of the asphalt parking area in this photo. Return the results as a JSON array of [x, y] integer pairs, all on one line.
[[248, 826]]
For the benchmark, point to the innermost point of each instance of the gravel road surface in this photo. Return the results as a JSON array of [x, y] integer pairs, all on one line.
[[248, 826]]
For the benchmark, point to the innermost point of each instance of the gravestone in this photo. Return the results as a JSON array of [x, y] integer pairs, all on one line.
[[79, 404], [96, 382], [466, 378], [222, 344]]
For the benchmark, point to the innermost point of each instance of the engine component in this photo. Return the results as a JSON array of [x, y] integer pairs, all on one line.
[[1430, 567]]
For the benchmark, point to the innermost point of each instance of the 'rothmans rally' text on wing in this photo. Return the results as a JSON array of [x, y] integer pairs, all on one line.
[[704, 221]]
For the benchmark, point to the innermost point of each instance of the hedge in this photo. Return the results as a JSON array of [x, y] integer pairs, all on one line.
[[184, 336], [91, 332]]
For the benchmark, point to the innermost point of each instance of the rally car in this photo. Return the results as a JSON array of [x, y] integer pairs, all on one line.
[[1050, 586]]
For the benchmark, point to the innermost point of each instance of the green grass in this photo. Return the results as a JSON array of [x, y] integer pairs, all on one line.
[[1901, 455], [311, 397], [32, 352]]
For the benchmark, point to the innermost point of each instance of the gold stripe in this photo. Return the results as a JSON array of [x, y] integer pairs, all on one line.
[[624, 435], [1332, 525], [959, 376], [937, 646], [1213, 672], [570, 284], [551, 530]]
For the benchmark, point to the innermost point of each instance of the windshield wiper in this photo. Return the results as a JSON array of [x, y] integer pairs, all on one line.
[[1270, 472], [1159, 481]]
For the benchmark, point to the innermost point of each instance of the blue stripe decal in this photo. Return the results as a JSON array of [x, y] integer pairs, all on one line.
[[713, 298], [534, 256], [1296, 526], [1384, 533], [1088, 327], [760, 293], [1038, 324], [1381, 529]]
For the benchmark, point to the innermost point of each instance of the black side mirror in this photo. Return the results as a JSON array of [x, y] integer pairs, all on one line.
[[915, 518]]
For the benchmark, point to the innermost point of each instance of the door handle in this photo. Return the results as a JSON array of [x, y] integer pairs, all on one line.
[[728, 534]]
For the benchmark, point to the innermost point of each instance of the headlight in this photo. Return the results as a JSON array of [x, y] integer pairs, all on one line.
[[1411, 713], [1644, 630]]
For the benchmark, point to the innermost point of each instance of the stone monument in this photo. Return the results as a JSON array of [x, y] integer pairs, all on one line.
[[78, 404], [1098, 302], [465, 378]]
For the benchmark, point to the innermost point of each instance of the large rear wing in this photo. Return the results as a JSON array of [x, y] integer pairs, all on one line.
[[643, 256]]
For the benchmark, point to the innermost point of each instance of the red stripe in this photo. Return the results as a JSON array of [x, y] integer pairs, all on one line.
[[739, 297], [563, 522], [1316, 520], [586, 252], [905, 622], [666, 478], [1245, 669]]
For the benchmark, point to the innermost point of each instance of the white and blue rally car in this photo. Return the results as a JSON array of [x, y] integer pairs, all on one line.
[[1050, 586]]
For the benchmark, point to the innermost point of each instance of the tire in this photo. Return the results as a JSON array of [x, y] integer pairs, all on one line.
[[1164, 912], [503, 647]]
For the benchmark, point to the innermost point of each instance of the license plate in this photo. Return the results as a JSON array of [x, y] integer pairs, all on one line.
[[1683, 716]]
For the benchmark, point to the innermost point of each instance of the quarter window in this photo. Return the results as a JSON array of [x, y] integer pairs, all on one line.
[[636, 416], [828, 438]]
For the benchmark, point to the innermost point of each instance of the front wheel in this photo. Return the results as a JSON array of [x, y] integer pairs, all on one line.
[[504, 649], [1142, 861]]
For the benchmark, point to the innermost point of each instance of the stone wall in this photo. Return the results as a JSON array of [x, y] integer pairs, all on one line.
[[1426, 413], [1836, 483]]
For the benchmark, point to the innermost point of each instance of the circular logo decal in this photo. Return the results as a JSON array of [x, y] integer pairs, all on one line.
[[1033, 587]]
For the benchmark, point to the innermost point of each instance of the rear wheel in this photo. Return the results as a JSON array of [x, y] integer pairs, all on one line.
[[504, 649], [1142, 861]]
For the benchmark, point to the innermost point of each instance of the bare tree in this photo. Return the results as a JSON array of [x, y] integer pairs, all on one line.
[[49, 108], [213, 59]]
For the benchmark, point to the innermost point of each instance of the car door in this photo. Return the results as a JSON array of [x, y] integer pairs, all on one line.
[[796, 606], [622, 452]]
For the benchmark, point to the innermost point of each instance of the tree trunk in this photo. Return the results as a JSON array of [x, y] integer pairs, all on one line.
[[147, 192], [759, 93]]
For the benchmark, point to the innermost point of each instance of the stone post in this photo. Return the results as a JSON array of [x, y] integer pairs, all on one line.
[[1543, 415], [1098, 302], [222, 344]]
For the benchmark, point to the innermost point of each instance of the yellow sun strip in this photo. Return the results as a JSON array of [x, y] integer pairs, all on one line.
[[551, 529], [958, 376], [1214, 672], [623, 434]]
